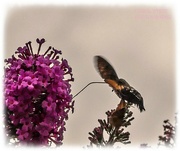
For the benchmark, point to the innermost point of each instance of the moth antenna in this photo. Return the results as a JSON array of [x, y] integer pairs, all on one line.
[[86, 87]]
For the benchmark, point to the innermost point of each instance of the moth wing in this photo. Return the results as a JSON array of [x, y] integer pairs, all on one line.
[[105, 69], [113, 84]]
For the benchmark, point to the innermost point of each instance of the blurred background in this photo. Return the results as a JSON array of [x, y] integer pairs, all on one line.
[[139, 42]]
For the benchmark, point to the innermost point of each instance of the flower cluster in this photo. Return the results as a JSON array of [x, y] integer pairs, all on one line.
[[116, 120], [37, 94], [168, 139], [169, 134]]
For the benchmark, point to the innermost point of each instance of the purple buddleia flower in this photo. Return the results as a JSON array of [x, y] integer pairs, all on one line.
[[113, 127], [168, 138], [37, 95]]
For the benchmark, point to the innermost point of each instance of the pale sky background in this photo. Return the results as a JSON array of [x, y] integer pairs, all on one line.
[[138, 41]]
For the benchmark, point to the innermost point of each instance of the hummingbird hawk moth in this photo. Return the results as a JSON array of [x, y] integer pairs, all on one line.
[[120, 86]]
